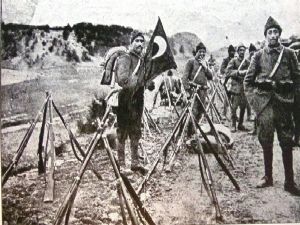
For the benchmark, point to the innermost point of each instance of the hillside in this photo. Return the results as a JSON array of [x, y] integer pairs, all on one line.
[[183, 44], [26, 46]]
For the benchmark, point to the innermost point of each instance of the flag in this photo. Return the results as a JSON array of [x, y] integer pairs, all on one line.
[[158, 57]]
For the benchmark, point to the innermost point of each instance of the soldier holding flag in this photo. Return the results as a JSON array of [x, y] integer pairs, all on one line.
[[130, 101], [133, 71]]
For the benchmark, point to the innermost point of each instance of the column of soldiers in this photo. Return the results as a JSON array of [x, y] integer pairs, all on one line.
[[267, 82]]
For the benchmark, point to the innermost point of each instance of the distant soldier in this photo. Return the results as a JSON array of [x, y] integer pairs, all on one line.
[[271, 82], [195, 76], [236, 70], [169, 89], [130, 106], [231, 52]]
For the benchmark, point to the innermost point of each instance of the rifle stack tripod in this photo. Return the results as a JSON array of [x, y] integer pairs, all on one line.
[[177, 136], [128, 198]]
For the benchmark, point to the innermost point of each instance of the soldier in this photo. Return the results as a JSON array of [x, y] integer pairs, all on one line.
[[196, 73], [170, 87], [271, 81], [130, 107], [231, 53], [236, 70]]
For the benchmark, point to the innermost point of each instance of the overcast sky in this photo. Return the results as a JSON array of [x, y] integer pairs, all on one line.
[[210, 20]]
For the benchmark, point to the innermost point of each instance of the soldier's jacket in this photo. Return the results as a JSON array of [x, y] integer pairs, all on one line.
[[262, 64], [237, 76], [130, 104], [125, 66], [224, 65], [172, 84], [190, 71]]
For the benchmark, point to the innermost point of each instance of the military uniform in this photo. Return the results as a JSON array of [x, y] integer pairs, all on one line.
[[130, 108], [236, 70], [171, 85], [227, 82], [190, 75], [272, 100]]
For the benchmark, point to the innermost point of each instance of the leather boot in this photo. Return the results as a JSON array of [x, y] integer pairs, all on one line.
[[136, 165], [121, 153], [289, 184], [241, 121], [233, 128], [267, 180]]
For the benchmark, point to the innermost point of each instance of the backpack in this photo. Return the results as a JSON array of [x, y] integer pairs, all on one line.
[[109, 63]]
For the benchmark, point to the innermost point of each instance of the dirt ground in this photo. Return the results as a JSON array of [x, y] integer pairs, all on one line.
[[171, 198], [177, 197]]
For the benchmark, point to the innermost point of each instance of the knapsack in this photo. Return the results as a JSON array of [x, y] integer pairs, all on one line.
[[109, 65]]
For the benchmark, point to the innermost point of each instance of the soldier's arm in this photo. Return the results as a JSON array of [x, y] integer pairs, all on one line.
[[252, 71], [208, 72], [186, 74], [223, 67], [295, 66], [231, 69], [177, 86], [124, 78], [242, 73]]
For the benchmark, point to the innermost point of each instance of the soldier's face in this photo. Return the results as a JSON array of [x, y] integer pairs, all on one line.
[[272, 36], [241, 52], [138, 44], [201, 54], [251, 53], [231, 53]]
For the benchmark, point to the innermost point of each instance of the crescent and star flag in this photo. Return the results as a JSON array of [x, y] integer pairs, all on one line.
[[158, 57]]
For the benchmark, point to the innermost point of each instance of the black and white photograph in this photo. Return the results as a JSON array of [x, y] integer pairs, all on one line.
[[150, 112]]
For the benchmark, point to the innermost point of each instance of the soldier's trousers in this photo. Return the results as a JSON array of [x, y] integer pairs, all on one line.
[[129, 120], [277, 117], [238, 101], [197, 111]]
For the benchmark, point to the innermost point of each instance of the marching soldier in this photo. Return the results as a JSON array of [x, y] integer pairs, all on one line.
[[236, 70], [130, 107], [271, 82], [223, 71], [196, 74]]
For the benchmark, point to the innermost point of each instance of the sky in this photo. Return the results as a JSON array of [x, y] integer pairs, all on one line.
[[216, 22]]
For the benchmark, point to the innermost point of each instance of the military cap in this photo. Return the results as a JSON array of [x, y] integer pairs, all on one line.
[[252, 47], [231, 48], [200, 46], [271, 23], [134, 34], [241, 45]]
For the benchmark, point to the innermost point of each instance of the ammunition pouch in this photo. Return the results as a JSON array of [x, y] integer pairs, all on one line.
[[266, 85], [280, 87], [284, 87]]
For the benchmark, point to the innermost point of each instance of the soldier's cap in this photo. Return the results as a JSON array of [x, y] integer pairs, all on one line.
[[231, 48], [200, 46], [241, 45], [271, 23], [252, 48], [134, 34]]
